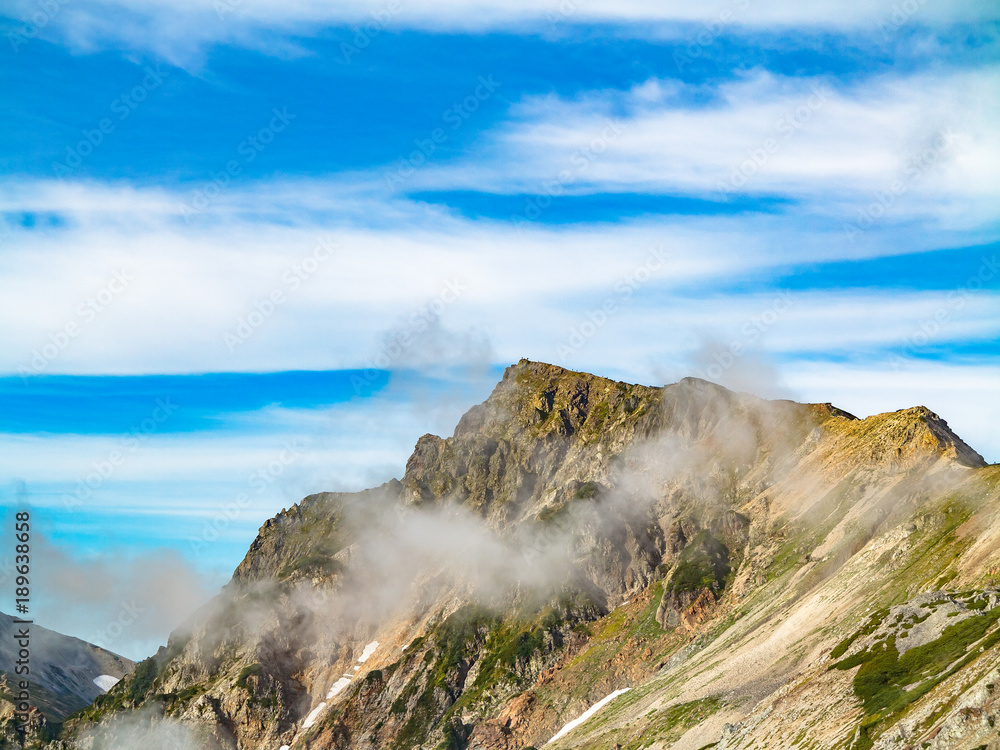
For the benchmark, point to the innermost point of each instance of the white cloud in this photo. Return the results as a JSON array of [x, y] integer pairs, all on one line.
[[524, 292], [179, 30], [650, 344], [126, 603], [929, 140], [190, 304], [271, 453]]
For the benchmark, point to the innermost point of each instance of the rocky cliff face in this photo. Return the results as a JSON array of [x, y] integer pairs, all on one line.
[[707, 553]]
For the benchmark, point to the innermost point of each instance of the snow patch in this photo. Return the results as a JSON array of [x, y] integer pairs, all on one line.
[[369, 650], [284, 747], [105, 682], [313, 715], [587, 714], [338, 686]]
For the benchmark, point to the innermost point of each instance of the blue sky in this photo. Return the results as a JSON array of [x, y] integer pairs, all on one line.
[[254, 249]]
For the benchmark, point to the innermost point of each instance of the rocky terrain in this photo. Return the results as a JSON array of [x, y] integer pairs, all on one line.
[[609, 566]]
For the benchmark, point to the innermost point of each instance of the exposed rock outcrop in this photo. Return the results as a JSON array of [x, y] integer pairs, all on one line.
[[576, 536]]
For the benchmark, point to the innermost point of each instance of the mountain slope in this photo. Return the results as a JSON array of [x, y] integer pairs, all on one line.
[[67, 674], [709, 552]]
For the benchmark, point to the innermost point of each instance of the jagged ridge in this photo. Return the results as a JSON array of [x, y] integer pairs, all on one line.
[[697, 518]]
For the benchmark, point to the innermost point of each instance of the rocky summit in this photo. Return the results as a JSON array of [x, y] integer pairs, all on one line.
[[587, 563]]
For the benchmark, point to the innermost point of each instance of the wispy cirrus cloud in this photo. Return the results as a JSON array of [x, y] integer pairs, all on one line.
[[827, 145], [191, 288], [181, 30]]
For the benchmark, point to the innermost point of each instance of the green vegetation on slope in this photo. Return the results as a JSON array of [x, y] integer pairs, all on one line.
[[888, 683], [703, 563], [471, 636]]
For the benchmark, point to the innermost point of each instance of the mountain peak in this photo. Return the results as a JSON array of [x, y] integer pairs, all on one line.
[[908, 434], [934, 431], [578, 536]]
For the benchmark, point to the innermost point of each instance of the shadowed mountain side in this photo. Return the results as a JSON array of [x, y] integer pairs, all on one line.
[[67, 674]]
